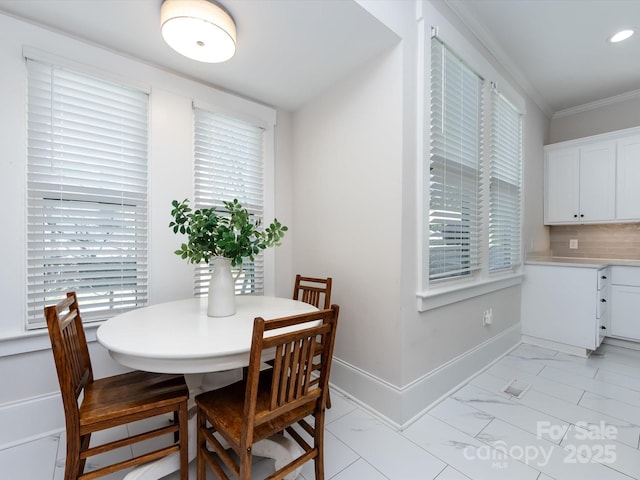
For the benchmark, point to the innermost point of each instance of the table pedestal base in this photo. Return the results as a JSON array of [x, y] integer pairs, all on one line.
[[282, 449]]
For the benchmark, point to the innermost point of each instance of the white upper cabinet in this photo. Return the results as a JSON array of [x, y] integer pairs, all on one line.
[[597, 182], [562, 189], [594, 179], [628, 179], [581, 183]]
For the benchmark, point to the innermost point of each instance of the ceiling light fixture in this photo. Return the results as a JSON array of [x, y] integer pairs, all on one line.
[[621, 35], [198, 29]]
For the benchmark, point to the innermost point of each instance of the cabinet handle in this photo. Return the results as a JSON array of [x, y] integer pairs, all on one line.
[[581, 215], [604, 277], [575, 216], [603, 300], [602, 327]]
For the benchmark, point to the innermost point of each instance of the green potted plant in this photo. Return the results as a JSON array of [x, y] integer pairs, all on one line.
[[223, 238]]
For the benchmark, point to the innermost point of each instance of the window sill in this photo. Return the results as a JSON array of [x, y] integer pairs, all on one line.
[[441, 297], [36, 340]]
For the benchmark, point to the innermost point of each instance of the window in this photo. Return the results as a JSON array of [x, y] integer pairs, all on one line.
[[87, 193], [229, 163], [504, 184], [455, 155], [473, 185]]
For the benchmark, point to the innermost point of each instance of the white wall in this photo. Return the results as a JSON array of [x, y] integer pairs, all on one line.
[[355, 177], [26, 365], [348, 209], [607, 115]]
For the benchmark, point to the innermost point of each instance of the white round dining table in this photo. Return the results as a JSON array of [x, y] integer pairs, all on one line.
[[179, 337]]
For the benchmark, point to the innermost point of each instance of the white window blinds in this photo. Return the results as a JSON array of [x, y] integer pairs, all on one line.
[[229, 163], [87, 193], [504, 184], [455, 160]]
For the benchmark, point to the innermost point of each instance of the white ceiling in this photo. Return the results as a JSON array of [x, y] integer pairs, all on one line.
[[289, 51], [558, 49]]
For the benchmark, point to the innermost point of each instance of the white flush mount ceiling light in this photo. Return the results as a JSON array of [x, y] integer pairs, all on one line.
[[621, 35], [198, 29]]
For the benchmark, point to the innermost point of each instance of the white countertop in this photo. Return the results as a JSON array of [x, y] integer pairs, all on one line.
[[580, 262]]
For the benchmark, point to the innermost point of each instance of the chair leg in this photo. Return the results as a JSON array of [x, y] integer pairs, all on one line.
[[244, 462], [200, 447], [318, 439], [74, 467], [183, 418], [176, 420]]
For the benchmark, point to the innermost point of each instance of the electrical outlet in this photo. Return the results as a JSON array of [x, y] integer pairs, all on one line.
[[573, 243], [487, 317]]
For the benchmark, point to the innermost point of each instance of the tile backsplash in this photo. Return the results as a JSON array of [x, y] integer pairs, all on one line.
[[617, 241]]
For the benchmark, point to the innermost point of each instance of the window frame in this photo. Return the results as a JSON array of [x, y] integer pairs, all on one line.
[[87, 195], [454, 154], [264, 118], [432, 294], [208, 163], [505, 186]]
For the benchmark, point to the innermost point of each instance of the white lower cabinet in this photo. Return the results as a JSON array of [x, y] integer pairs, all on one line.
[[566, 306], [625, 302]]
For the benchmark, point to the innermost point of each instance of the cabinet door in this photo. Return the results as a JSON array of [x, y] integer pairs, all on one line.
[[625, 308], [562, 186], [628, 179], [559, 304], [597, 182]]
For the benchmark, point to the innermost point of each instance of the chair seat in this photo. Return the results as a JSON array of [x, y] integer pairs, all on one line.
[[224, 409], [130, 395]]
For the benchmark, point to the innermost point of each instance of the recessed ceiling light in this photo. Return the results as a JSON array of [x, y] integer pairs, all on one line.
[[621, 35]]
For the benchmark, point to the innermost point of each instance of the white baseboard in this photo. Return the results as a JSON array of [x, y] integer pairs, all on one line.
[[561, 347], [621, 342], [401, 406], [30, 419]]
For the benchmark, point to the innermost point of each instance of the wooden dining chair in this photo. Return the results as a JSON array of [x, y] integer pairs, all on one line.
[[315, 291], [110, 401], [270, 401]]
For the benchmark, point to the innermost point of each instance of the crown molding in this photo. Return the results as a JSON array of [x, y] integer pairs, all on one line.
[[623, 97]]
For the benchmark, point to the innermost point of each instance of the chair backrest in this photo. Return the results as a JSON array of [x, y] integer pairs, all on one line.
[[316, 291], [296, 340], [70, 351]]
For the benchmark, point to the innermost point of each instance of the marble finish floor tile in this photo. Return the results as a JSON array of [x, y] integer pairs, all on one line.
[[467, 454], [612, 407], [506, 409], [390, 452], [628, 433], [451, 473], [359, 469], [461, 415], [554, 460], [18, 462], [600, 445], [538, 383], [605, 389]]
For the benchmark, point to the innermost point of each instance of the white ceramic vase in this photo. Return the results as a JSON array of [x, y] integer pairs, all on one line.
[[222, 297]]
